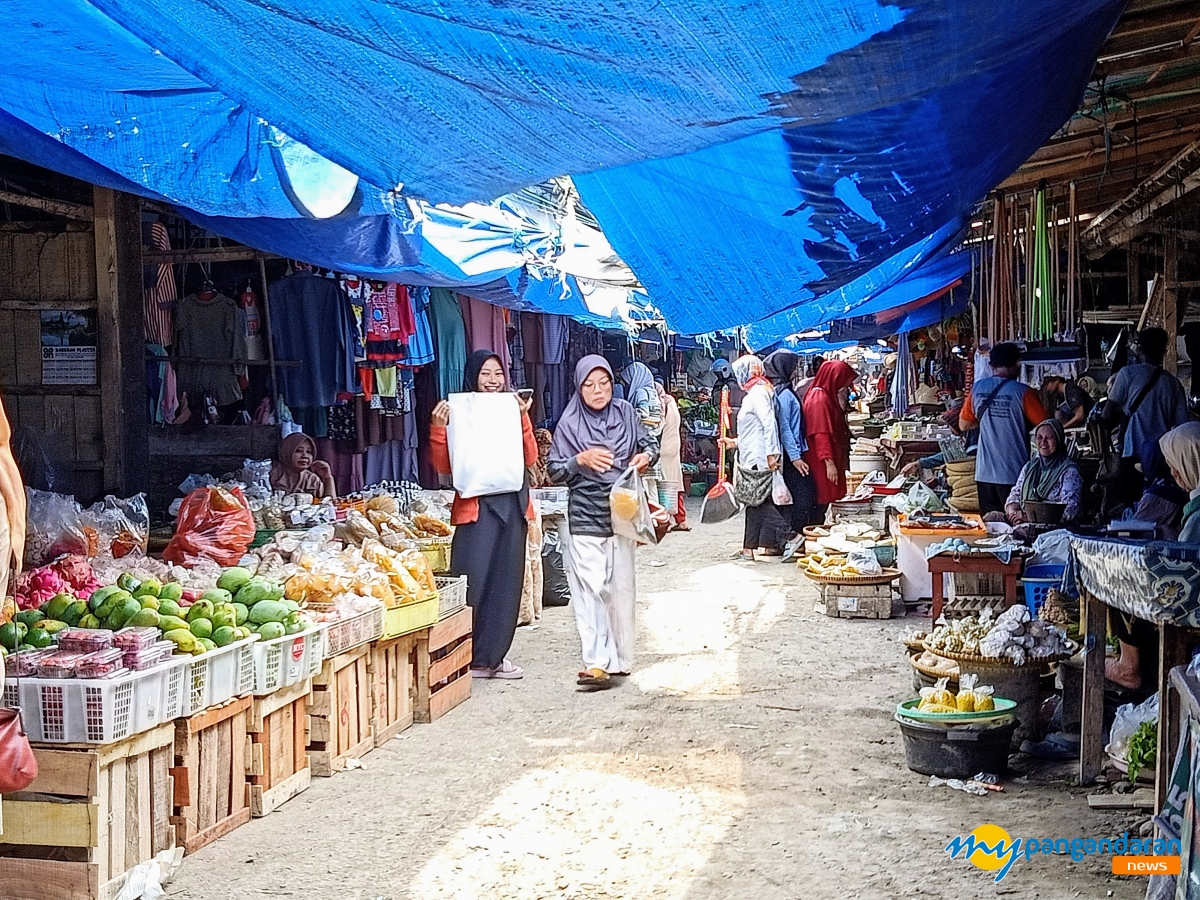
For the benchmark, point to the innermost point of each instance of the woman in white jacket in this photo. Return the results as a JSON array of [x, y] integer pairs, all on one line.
[[759, 450]]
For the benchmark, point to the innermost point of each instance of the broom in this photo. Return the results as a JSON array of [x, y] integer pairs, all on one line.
[[719, 503]]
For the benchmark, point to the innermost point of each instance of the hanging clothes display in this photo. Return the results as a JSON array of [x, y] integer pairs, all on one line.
[[486, 328], [160, 295], [450, 336], [420, 343], [208, 327], [313, 325], [387, 323]]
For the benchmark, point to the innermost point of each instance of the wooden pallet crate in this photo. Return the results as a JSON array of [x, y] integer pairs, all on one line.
[[443, 666], [279, 768], [339, 712], [391, 669], [862, 601], [92, 814], [210, 774]]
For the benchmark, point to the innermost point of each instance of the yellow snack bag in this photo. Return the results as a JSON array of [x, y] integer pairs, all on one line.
[[625, 504], [983, 698], [965, 701]]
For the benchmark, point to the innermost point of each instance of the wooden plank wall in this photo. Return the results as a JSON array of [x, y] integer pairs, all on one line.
[[49, 270]]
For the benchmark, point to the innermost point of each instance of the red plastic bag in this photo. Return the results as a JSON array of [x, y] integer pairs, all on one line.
[[214, 523]]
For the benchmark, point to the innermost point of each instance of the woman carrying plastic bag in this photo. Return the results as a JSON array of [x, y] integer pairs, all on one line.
[[484, 439], [597, 442]]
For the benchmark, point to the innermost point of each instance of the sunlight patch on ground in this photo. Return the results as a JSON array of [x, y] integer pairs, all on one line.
[[698, 628], [593, 826]]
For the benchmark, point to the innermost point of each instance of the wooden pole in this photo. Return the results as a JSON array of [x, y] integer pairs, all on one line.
[[1171, 299], [270, 334], [121, 366]]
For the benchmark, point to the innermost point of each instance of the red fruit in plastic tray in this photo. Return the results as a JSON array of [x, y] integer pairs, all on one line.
[[25, 663], [59, 664], [85, 640], [149, 657], [135, 638], [104, 664]]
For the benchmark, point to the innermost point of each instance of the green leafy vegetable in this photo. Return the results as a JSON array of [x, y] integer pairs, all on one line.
[[1142, 749]]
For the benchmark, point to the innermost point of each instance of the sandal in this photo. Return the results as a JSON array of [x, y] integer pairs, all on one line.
[[682, 526], [742, 554], [508, 670], [596, 679]]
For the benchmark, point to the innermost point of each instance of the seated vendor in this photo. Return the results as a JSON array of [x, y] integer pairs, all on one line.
[[1163, 501], [1181, 449], [1069, 402], [298, 471], [1050, 477]]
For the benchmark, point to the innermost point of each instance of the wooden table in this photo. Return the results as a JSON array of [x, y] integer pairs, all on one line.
[[1173, 646], [974, 564]]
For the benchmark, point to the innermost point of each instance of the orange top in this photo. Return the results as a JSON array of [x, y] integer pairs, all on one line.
[[1031, 403], [466, 509]]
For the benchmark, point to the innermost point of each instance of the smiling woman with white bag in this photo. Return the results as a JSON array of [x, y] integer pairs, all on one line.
[[484, 440]]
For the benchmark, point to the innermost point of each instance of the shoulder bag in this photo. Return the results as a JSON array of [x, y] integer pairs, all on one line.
[[751, 487]]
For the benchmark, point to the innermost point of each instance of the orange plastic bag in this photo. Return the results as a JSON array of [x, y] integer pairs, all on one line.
[[214, 523]]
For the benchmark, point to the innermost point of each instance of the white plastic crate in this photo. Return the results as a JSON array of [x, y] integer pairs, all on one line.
[[159, 696], [346, 634], [219, 675], [288, 659], [77, 710], [452, 594]]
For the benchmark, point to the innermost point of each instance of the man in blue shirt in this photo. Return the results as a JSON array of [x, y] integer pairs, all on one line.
[[1149, 401]]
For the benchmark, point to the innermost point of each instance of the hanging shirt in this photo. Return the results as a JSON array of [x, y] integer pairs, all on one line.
[[313, 325], [1005, 409], [211, 330], [384, 323], [451, 338], [420, 343]]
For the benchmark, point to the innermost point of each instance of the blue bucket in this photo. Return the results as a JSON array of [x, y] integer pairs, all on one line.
[[1038, 582]]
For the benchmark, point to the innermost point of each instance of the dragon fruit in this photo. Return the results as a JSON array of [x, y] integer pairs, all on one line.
[[77, 572], [35, 586]]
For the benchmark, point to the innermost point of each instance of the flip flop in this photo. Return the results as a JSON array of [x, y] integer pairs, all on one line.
[[595, 679], [747, 557]]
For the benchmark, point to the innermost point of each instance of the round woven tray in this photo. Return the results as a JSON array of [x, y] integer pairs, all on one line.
[[888, 575], [914, 646], [1000, 662], [952, 674]]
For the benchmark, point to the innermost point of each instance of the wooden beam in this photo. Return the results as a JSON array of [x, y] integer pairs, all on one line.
[[77, 211], [121, 363], [1149, 57], [1171, 301], [204, 254]]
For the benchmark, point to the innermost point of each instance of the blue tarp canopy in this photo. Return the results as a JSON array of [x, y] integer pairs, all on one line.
[[744, 159]]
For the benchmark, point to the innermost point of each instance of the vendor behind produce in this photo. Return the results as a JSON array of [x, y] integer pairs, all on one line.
[[1068, 401], [1050, 477], [298, 471], [937, 460], [1003, 409]]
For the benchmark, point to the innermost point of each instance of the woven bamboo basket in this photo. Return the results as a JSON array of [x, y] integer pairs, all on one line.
[[888, 575], [1001, 662]]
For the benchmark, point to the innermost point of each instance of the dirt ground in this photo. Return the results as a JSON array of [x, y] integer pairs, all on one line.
[[753, 753]]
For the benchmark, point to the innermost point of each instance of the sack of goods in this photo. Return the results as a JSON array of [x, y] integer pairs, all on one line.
[[964, 493]]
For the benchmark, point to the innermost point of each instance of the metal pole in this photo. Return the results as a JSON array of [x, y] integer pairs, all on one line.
[[262, 274]]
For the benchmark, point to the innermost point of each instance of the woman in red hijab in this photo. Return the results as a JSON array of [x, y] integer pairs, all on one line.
[[828, 454]]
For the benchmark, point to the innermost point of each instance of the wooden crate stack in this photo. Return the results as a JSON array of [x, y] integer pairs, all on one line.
[[279, 768], [391, 670], [210, 774], [443, 666], [339, 714], [93, 813], [856, 601]]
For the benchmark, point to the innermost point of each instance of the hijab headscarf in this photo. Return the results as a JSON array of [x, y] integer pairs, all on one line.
[[615, 427], [284, 474], [639, 378], [475, 365], [748, 370], [1157, 473], [1043, 473], [781, 368], [1181, 448], [823, 413]]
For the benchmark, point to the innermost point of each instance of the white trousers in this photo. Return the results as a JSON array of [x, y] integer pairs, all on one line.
[[603, 584]]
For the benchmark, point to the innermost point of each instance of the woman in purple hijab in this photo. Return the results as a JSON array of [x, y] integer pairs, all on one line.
[[597, 439]]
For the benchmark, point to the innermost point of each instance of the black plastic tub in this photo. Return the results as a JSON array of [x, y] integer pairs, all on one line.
[[957, 752]]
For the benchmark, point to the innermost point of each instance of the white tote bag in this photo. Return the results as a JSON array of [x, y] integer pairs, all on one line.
[[487, 452]]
